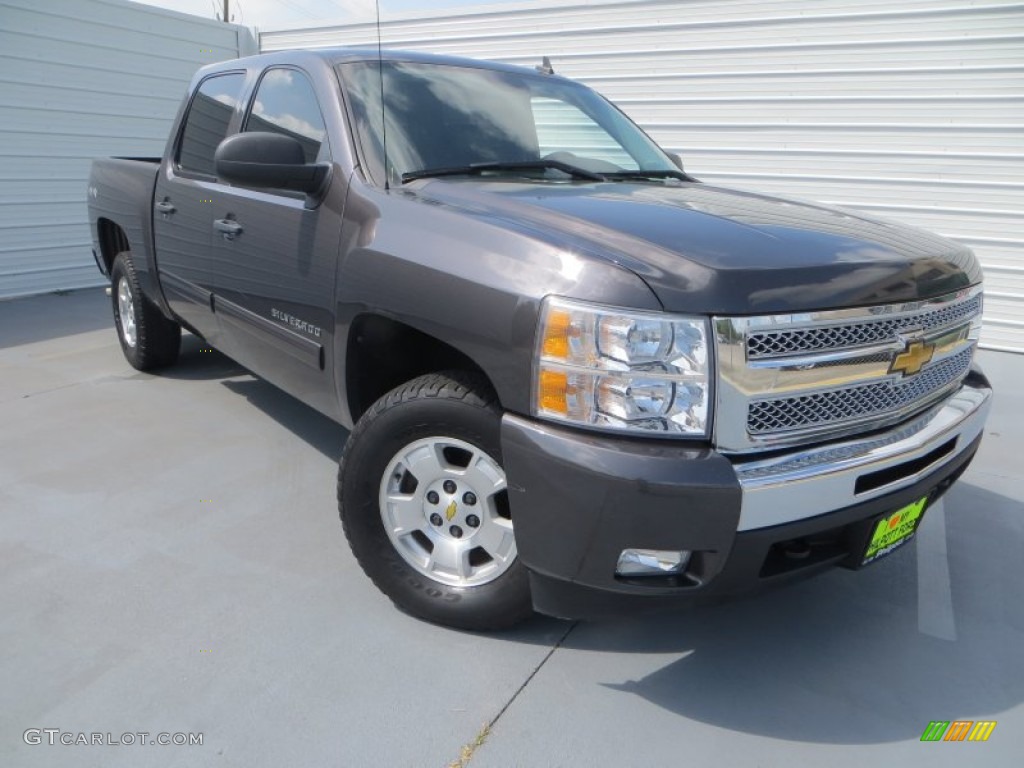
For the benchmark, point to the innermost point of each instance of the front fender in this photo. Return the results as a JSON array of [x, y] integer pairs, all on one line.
[[473, 282]]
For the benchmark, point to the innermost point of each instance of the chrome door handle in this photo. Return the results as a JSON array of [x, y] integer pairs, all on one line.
[[228, 227]]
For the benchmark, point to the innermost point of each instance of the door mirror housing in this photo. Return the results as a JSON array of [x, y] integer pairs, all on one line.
[[268, 160], [677, 161]]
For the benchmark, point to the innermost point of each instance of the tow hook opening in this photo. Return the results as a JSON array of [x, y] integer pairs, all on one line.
[[804, 552], [798, 549]]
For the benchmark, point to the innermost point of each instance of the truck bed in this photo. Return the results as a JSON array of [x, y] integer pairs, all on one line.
[[121, 213]]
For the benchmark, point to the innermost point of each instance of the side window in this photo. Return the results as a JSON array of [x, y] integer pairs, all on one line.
[[206, 123], [562, 127], [286, 103]]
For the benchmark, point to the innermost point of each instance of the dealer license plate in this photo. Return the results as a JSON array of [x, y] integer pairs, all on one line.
[[894, 530]]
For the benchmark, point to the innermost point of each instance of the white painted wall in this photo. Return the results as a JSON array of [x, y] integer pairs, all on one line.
[[911, 110], [81, 79]]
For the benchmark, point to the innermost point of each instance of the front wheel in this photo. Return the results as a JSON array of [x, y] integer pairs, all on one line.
[[424, 504]]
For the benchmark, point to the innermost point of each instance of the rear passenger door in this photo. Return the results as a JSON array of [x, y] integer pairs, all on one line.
[[275, 268], [183, 201]]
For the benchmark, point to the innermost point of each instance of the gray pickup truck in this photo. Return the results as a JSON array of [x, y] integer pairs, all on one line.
[[578, 380]]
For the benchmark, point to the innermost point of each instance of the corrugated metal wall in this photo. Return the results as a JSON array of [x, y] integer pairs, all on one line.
[[81, 79], [911, 110]]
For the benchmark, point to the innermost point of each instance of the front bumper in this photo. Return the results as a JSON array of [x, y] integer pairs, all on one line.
[[579, 499]]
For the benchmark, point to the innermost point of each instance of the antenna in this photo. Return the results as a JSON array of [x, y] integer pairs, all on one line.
[[545, 67], [383, 112]]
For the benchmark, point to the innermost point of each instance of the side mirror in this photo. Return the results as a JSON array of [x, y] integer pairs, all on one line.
[[676, 160], [269, 160]]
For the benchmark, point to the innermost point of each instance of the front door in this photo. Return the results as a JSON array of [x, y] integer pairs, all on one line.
[[276, 258]]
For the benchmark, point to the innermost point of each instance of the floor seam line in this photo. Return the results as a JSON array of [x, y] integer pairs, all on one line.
[[469, 750], [533, 674]]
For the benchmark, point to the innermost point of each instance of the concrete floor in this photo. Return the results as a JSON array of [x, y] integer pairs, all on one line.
[[171, 561]]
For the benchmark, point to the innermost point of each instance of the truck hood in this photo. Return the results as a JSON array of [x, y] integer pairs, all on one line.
[[713, 250]]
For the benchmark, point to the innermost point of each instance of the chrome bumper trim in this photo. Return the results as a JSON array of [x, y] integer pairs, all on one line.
[[812, 482]]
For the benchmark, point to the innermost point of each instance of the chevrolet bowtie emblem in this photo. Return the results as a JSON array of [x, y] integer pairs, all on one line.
[[450, 512], [915, 356]]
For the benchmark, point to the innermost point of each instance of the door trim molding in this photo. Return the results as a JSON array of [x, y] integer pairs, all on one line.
[[302, 349]]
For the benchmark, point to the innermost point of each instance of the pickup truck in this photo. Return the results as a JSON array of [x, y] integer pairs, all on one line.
[[578, 380]]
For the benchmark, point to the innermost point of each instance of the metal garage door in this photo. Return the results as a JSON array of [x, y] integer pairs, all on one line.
[[81, 79], [910, 110]]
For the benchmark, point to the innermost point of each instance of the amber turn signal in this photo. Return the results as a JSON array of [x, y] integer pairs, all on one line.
[[556, 334], [553, 392]]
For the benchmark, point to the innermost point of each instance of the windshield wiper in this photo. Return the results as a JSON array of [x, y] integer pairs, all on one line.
[[475, 169], [646, 175]]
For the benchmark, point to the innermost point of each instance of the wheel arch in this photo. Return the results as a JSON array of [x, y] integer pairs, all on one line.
[[383, 353], [112, 241]]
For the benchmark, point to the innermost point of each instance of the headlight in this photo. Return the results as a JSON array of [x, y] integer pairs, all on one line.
[[622, 370]]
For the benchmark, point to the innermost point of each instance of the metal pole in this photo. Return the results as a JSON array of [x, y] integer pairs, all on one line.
[[226, 17]]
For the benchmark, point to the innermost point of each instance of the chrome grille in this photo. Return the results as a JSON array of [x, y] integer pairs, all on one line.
[[854, 403], [775, 343], [814, 376]]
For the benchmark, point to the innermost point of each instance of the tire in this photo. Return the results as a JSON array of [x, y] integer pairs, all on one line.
[[148, 339], [395, 485]]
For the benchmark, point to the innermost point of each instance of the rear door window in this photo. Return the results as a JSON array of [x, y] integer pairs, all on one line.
[[207, 121]]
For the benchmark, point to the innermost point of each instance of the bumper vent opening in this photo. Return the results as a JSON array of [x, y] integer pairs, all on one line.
[[883, 477]]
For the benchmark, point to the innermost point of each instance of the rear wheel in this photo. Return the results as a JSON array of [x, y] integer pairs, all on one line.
[[424, 504], [148, 339]]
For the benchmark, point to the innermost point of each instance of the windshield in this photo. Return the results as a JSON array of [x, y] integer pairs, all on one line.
[[444, 117]]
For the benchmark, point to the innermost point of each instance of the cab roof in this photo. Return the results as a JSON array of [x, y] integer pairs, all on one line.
[[344, 54]]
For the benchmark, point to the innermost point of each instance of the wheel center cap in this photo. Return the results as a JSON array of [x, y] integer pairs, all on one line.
[[452, 508]]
